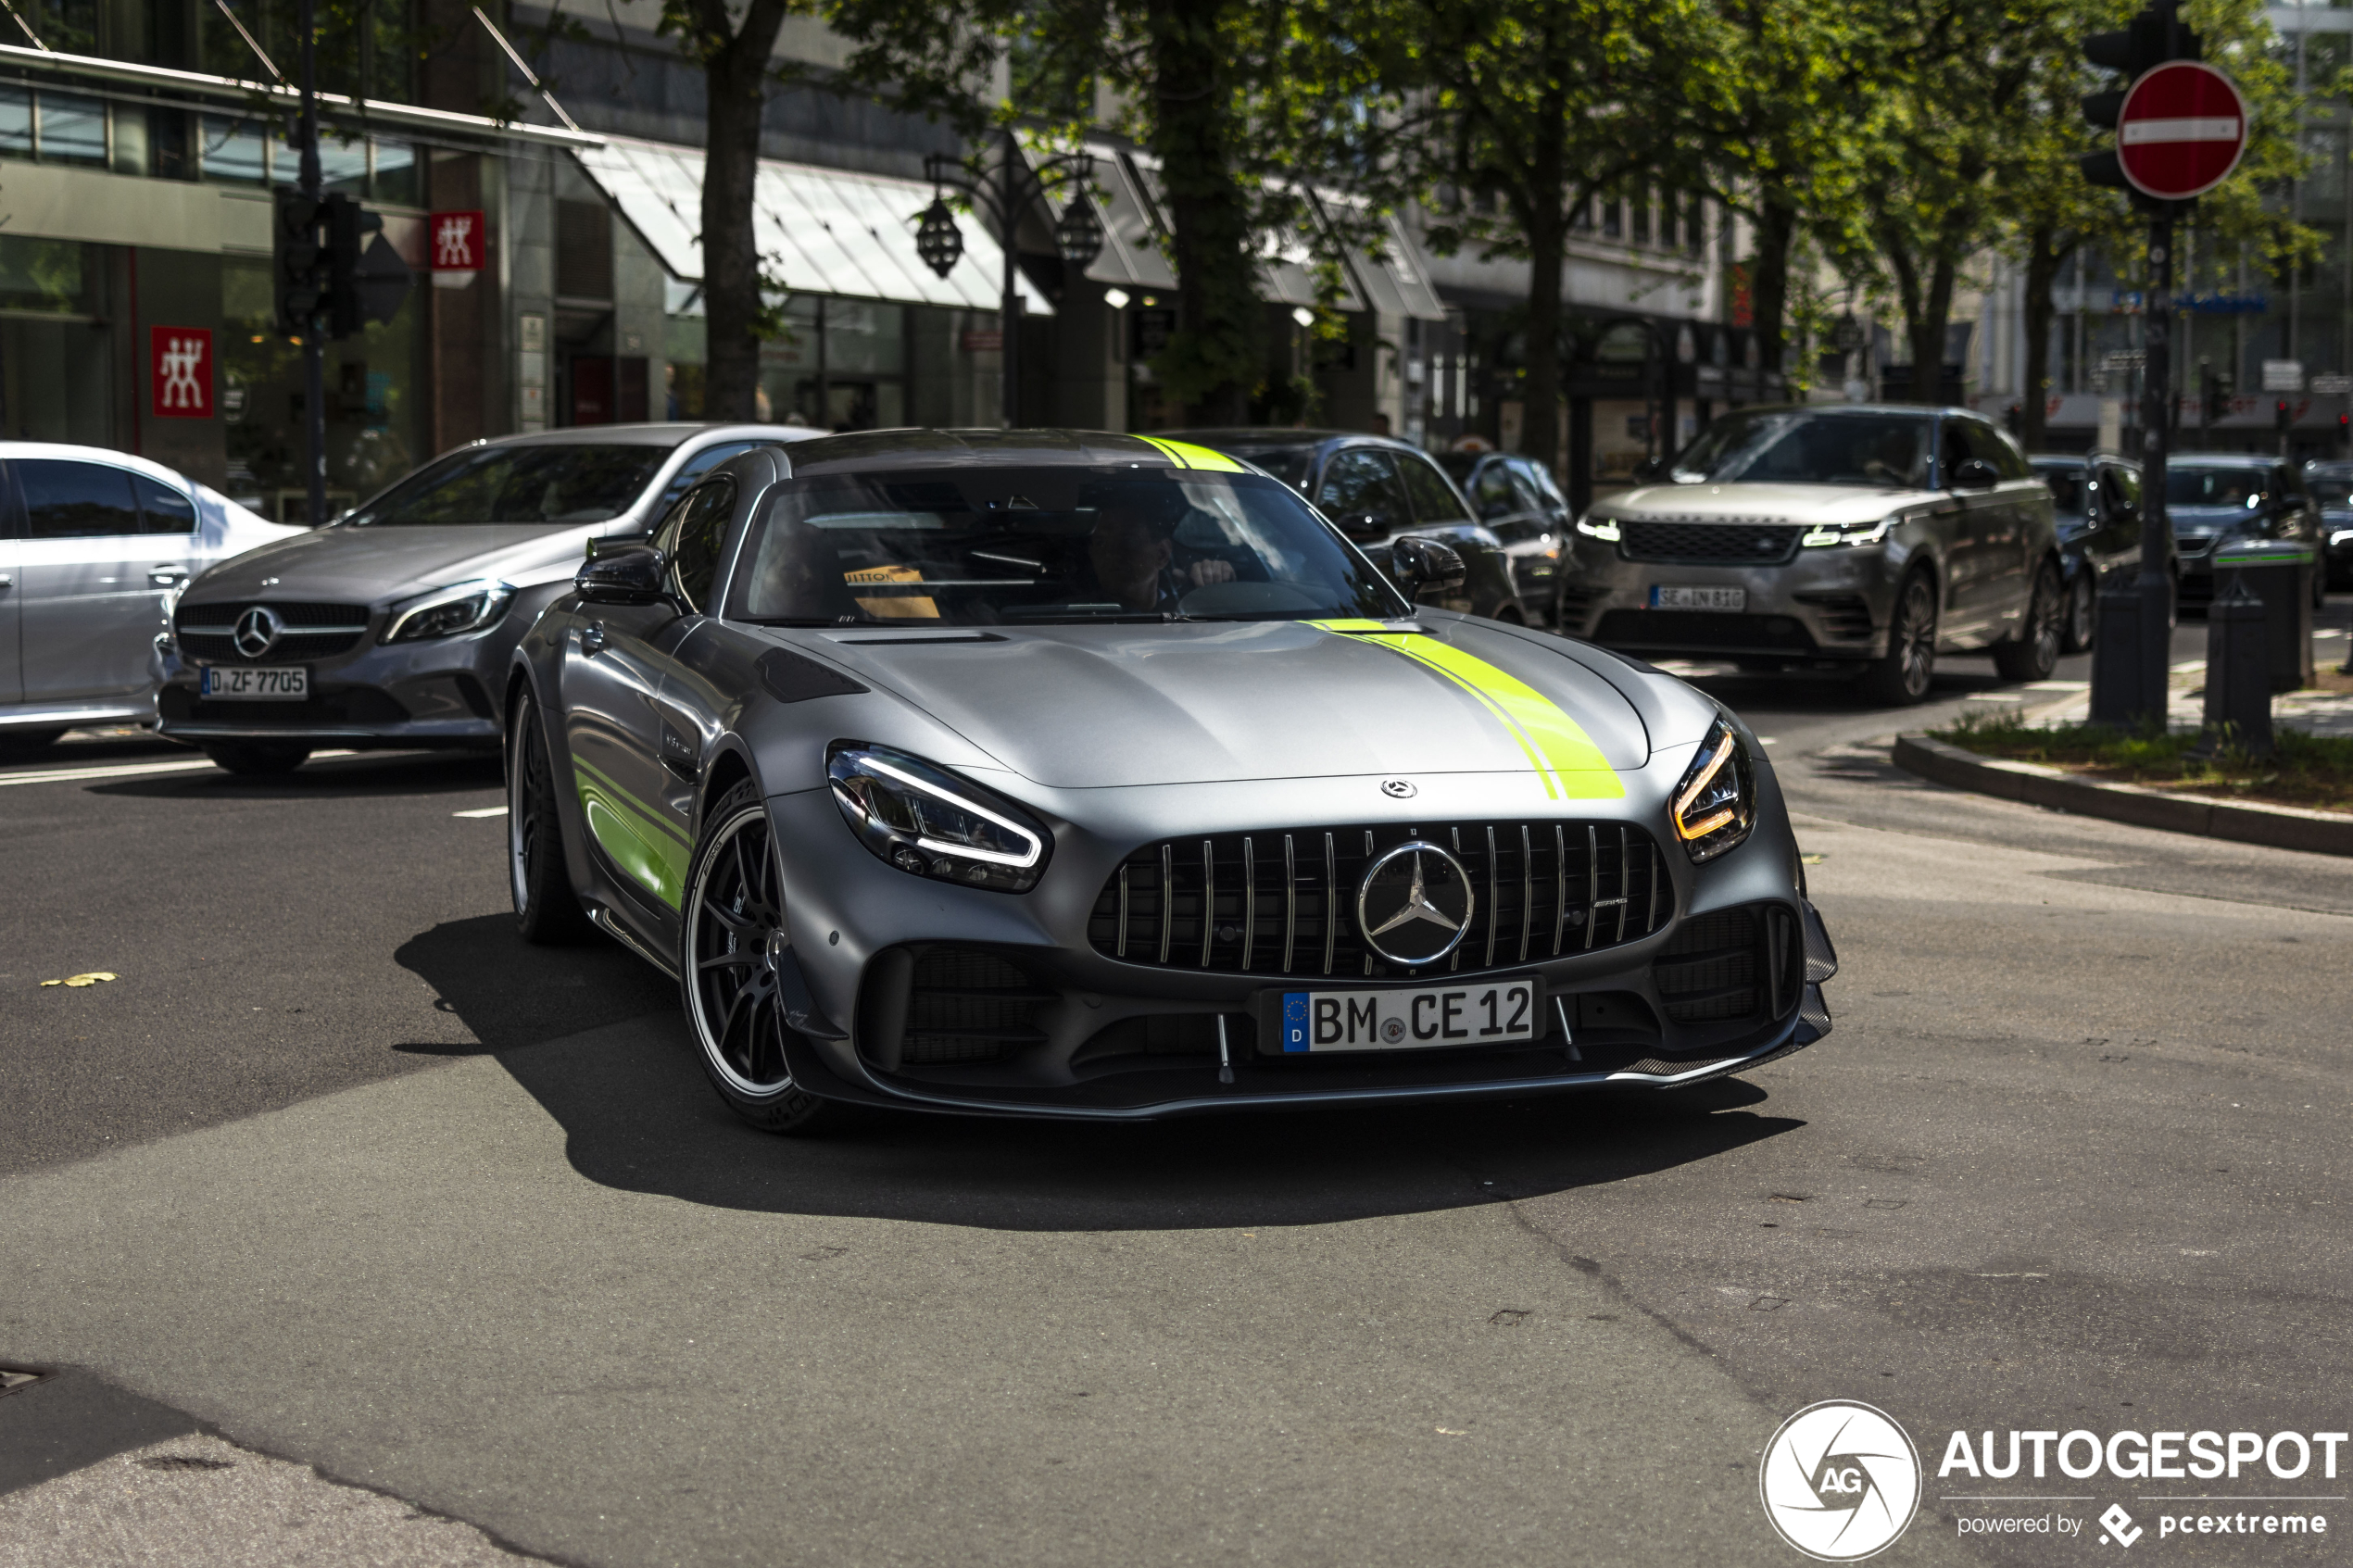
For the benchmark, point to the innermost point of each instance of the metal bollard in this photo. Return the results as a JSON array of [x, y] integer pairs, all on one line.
[[2238, 673], [2120, 695]]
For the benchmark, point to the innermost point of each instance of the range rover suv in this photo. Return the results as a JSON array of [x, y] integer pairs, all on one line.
[[1869, 537]]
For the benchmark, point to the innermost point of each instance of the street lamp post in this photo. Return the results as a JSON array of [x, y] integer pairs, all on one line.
[[1078, 235]]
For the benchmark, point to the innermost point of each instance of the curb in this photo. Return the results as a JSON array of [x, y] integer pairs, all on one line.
[[2280, 827]]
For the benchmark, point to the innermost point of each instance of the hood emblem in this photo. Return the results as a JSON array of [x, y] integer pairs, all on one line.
[[1397, 789], [257, 631], [1415, 903]]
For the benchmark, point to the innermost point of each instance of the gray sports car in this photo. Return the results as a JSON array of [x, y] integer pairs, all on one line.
[[1088, 775]]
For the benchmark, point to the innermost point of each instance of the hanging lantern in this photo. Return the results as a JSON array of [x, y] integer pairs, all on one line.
[[1079, 235], [938, 240]]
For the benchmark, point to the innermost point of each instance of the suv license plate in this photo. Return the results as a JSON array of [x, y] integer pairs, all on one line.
[[1498, 1012], [1734, 599], [274, 683]]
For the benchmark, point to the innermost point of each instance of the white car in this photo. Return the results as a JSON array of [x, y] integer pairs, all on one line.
[[95, 546]]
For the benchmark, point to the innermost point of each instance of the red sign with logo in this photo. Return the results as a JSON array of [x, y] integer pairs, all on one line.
[[2182, 129], [182, 371], [456, 238]]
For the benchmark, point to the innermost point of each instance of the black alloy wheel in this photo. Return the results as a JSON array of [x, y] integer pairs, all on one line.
[[548, 911], [2082, 611], [257, 758], [2033, 654], [735, 940], [1902, 675]]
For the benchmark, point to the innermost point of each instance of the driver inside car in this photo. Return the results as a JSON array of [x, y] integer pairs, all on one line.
[[1135, 561]]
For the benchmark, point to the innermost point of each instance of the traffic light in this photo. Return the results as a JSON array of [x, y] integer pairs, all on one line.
[[2283, 416], [2220, 387], [296, 285], [2154, 36], [333, 270]]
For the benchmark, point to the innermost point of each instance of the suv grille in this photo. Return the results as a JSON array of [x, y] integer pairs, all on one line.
[[1717, 543], [313, 631], [1733, 964], [1283, 902]]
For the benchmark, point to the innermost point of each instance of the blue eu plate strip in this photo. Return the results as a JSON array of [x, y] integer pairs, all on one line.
[[1294, 1021]]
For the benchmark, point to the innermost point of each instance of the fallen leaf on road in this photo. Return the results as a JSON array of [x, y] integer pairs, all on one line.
[[78, 981]]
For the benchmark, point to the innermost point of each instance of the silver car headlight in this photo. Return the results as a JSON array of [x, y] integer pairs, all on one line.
[[928, 822], [1715, 805], [1849, 532], [1602, 528], [451, 611]]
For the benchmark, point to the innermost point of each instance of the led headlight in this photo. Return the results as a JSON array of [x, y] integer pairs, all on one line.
[[1593, 527], [447, 612], [1849, 532], [1716, 804], [929, 822]]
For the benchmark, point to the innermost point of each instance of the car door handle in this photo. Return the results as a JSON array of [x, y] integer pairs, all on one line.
[[592, 638], [166, 576], [6, 580]]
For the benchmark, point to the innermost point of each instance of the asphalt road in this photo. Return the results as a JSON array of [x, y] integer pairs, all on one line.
[[339, 1168]]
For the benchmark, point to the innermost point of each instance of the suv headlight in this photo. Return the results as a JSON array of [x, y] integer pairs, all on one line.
[[1716, 804], [447, 612], [928, 822], [1604, 528], [1849, 532]]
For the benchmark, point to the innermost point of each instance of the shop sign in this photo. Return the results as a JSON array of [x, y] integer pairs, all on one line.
[[181, 377], [982, 340], [456, 242]]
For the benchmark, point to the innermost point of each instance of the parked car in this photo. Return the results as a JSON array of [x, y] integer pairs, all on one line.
[[1518, 503], [2216, 499], [1839, 535], [1378, 491], [392, 625], [94, 545], [2332, 486], [1061, 773], [2095, 500]]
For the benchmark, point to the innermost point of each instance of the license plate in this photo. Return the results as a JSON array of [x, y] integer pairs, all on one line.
[[1497, 1013], [275, 684], [1734, 599]]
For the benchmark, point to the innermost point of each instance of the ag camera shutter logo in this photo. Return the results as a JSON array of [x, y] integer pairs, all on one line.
[[1840, 1481]]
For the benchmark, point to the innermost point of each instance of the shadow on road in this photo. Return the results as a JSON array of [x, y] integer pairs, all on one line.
[[638, 1116], [399, 773]]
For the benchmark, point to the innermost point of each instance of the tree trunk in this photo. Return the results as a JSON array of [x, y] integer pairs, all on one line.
[[1928, 333], [1215, 357], [1769, 282], [735, 82], [1545, 224], [2045, 256]]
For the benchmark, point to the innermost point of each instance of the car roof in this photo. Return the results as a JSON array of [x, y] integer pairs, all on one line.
[[2222, 460], [667, 434], [64, 451], [2077, 459], [1839, 410], [866, 451]]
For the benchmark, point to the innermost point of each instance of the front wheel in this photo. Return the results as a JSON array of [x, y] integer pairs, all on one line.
[[734, 941], [2033, 654], [546, 910], [1901, 676], [257, 758], [2082, 611]]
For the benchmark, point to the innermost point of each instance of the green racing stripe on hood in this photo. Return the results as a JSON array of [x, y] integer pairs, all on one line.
[[1565, 757]]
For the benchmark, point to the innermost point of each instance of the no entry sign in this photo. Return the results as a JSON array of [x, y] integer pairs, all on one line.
[[2183, 127]]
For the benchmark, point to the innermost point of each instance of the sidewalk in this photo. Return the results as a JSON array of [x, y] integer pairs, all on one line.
[[2051, 704]]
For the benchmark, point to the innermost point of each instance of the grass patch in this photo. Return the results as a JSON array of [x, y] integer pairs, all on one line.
[[2302, 770]]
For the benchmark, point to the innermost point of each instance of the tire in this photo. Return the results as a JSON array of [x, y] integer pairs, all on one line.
[[257, 758], [734, 928], [548, 911], [1902, 675], [2082, 623], [2033, 654]]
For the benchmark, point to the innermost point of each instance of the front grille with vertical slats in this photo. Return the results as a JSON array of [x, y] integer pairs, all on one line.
[[1716, 544], [311, 630], [1283, 902]]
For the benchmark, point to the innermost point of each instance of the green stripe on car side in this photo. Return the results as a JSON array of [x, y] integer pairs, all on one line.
[[1564, 757], [639, 841]]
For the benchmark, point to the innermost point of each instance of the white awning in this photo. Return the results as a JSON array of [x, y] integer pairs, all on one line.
[[820, 230]]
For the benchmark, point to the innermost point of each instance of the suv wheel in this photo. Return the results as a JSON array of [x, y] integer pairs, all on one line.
[[2033, 654], [1902, 675]]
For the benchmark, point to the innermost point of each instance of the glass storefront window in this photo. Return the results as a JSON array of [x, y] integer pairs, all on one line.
[[840, 364], [73, 129], [398, 179], [231, 151], [16, 123], [55, 374], [343, 166]]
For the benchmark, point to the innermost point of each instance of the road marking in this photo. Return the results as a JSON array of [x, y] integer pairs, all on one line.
[[482, 811], [128, 769]]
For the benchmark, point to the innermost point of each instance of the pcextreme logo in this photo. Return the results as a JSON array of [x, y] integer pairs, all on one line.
[[1840, 1481]]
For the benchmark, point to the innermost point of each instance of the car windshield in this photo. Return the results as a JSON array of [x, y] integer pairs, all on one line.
[[2241, 488], [2067, 488], [1288, 464], [1806, 446], [517, 484], [1033, 547], [2332, 492]]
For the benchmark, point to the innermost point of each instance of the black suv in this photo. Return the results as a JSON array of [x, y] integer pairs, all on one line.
[[2218, 499]]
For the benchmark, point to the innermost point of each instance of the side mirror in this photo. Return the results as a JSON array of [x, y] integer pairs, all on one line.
[[1422, 564], [1974, 473], [626, 575]]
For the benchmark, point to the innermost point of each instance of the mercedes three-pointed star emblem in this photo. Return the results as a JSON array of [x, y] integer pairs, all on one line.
[[1413, 904], [257, 631]]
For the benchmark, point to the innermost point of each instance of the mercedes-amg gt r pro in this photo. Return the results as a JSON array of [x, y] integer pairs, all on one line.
[[1088, 775]]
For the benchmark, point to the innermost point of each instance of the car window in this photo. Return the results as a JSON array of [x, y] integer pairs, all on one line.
[[2120, 492], [70, 500], [701, 528], [702, 463], [1492, 492], [1990, 447], [2067, 486], [162, 509], [2235, 488], [2333, 491], [555, 485], [1105, 545], [1361, 492], [1434, 499], [1539, 479]]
